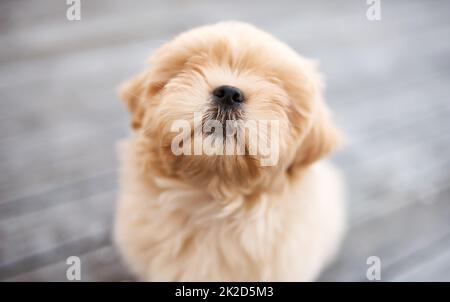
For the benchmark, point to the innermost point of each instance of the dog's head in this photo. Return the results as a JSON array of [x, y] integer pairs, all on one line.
[[229, 107]]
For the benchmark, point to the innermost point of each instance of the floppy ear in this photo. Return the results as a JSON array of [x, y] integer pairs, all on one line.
[[133, 93], [139, 92], [319, 140], [318, 135]]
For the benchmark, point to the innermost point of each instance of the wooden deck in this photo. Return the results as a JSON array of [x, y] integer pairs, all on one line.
[[387, 83]]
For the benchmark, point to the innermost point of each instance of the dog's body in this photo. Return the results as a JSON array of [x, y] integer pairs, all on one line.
[[224, 218]]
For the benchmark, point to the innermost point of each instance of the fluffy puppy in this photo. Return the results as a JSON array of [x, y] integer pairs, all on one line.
[[228, 217]]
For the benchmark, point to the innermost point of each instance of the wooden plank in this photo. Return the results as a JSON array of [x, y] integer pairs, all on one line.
[[46, 171], [365, 119], [384, 149], [103, 264], [55, 255], [408, 165], [391, 237], [39, 231], [49, 178], [431, 265], [74, 191], [103, 21]]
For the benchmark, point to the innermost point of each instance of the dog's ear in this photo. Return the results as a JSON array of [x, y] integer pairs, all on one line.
[[321, 137], [139, 92], [133, 93]]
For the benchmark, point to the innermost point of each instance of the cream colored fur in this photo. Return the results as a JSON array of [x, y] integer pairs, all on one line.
[[200, 218]]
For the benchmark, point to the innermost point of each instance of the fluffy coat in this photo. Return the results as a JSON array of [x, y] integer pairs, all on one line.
[[227, 218]]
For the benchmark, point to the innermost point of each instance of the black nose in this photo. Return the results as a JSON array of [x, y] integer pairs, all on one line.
[[228, 95]]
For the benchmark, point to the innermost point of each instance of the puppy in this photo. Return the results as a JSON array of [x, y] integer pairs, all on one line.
[[243, 215]]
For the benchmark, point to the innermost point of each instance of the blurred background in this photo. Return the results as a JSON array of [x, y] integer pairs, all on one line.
[[60, 119]]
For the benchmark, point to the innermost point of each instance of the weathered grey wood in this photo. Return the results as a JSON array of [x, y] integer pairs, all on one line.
[[55, 254], [60, 118], [392, 238], [73, 191], [102, 264], [430, 264], [40, 230]]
